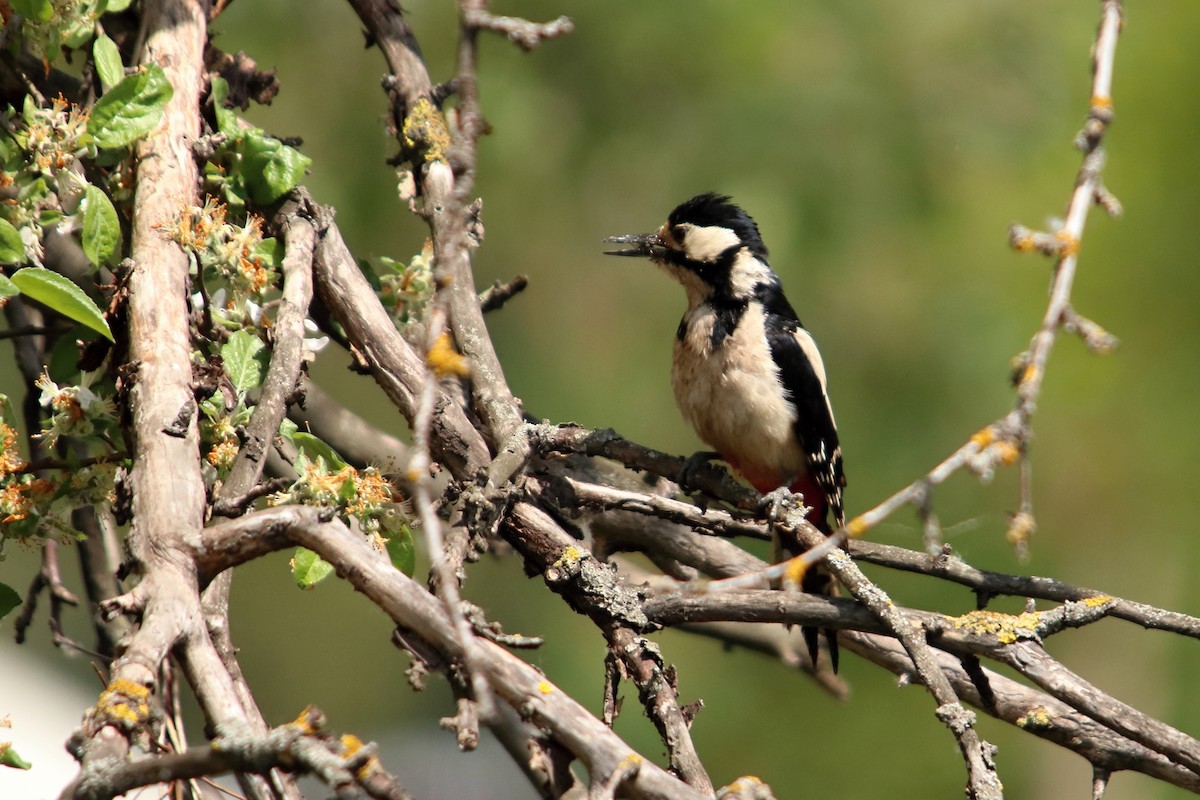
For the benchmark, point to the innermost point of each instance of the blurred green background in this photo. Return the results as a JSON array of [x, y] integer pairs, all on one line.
[[883, 150]]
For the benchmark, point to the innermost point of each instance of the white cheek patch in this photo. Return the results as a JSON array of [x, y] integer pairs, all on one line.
[[707, 243], [746, 273]]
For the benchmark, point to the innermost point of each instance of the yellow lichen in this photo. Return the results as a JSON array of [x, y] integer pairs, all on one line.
[[570, 555], [1007, 628], [1068, 244], [1007, 452], [309, 720], [1024, 243], [793, 573], [545, 687], [983, 438], [351, 744], [444, 360], [1037, 718], [856, 527], [124, 703], [1100, 101], [1098, 600], [744, 785], [128, 688], [425, 130]]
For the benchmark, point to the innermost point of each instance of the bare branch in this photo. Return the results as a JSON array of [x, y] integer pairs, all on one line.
[[301, 747], [287, 357], [413, 608], [988, 584], [521, 32], [1034, 712], [495, 296], [397, 369]]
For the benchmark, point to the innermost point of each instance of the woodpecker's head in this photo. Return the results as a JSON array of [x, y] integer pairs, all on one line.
[[708, 244]]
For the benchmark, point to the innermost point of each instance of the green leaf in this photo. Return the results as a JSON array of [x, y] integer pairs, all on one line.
[[101, 230], [246, 360], [309, 569], [7, 287], [347, 490], [226, 120], [12, 249], [131, 109], [10, 757], [315, 448], [270, 168], [59, 294], [400, 549], [113, 6], [287, 428], [108, 62], [36, 10], [270, 251], [9, 599]]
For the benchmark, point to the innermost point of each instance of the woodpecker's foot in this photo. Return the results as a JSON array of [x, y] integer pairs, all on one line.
[[693, 464], [776, 504]]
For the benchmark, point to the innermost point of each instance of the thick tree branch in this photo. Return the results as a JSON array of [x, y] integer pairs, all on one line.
[[416, 610], [397, 369]]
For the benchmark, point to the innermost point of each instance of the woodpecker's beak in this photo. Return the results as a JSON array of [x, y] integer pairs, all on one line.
[[645, 245]]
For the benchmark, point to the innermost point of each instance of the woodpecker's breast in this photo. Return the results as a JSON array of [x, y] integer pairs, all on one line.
[[728, 387]]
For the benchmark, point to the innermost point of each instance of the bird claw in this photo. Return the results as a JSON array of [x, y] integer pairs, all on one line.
[[775, 505], [693, 464]]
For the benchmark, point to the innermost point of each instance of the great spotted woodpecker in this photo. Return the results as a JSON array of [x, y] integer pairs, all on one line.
[[746, 374]]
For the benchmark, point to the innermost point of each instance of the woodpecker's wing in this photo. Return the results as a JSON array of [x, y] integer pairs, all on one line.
[[802, 373]]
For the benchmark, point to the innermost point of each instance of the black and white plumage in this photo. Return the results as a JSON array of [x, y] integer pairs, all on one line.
[[746, 373]]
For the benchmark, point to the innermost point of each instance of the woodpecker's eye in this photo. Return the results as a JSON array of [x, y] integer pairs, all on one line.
[[678, 232]]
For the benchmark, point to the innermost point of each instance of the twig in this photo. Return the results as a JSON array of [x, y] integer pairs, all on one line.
[[1003, 441], [34, 330], [442, 573], [287, 357], [48, 579], [300, 747], [521, 32], [987, 584], [495, 296]]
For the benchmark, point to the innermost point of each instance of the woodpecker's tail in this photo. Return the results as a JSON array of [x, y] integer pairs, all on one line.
[[818, 581]]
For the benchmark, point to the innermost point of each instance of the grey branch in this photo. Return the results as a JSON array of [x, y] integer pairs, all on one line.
[[414, 609], [287, 357], [300, 747]]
